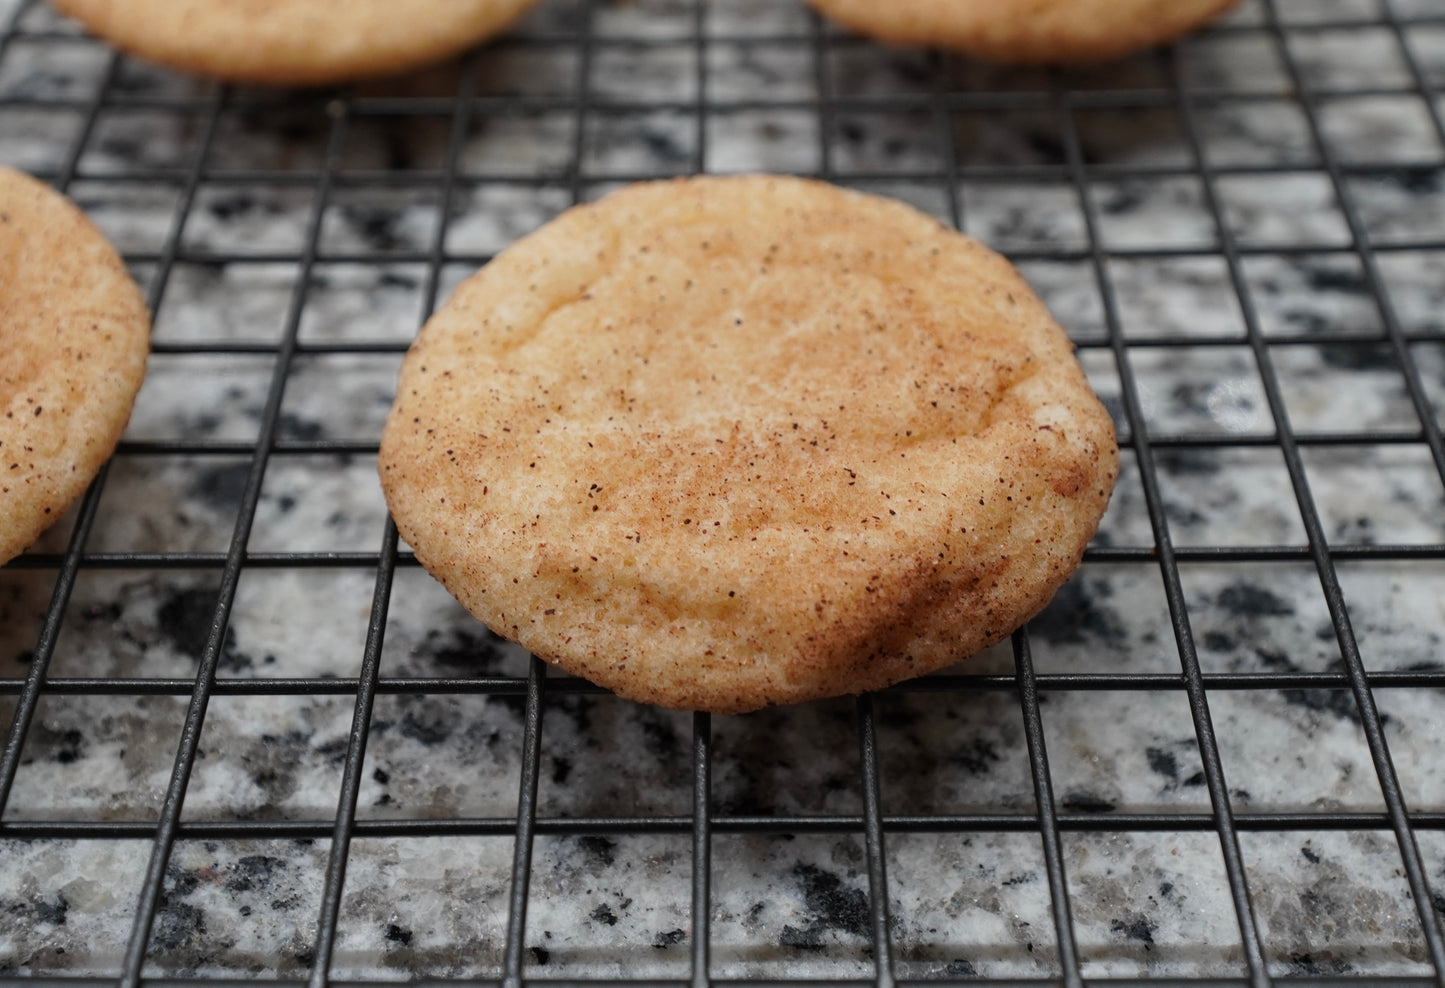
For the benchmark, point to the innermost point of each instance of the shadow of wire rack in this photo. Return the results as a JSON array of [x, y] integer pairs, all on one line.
[[250, 738]]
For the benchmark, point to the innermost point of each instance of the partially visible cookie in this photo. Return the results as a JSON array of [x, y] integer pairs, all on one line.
[[74, 334], [720, 443], [294, 42], [1026, 30]]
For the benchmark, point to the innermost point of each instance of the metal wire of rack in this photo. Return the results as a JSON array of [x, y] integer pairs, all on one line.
[[809, 117]]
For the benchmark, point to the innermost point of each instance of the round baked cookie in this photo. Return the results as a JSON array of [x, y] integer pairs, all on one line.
[[74, 335], [720, 443], [1026, 30], [294, 42]]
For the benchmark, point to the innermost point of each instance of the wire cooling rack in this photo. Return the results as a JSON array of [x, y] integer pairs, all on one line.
[[248, 737]]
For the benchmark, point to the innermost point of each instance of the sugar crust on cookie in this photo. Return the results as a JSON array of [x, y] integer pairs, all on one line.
[[75, 334], [1026, 30], [294, 42], [721, 443]]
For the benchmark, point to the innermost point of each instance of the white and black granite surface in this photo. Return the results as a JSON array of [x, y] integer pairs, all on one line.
[[1328, 902]]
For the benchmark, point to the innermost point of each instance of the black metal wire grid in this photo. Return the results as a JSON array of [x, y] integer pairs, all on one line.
[[937, 93]]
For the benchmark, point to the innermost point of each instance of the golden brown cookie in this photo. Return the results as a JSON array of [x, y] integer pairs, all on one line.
[[74, 334], [719, 443], [294, 42], [1026, 30]]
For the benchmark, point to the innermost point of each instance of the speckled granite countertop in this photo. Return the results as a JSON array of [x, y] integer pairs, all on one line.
[[1328, 901]]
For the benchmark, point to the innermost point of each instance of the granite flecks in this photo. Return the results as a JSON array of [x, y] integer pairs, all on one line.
[[201, 397], [437, 905], [757, 19], [1260, 618], [425, 752], [1176, 917], [962, 905], [991, 920], [1231, 496], [937, 756], [238, 908], [873, 142], [782, 903], [326, 503], [1313, 925], [581, 884], [1113, 610], [742, 71], [1416, 291], [97, 758], [1396, 610], [489, 217], [1374, 495], [270, 758], [68, 904], [1020, 216]]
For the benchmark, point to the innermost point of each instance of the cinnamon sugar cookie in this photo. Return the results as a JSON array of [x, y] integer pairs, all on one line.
[[719, 443], [294, 42], [74, 333], [1026, 30]]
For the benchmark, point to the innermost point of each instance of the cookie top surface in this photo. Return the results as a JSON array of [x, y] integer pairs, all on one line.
[[294, 42], [75, 334], [721, 443], [1026, 30]]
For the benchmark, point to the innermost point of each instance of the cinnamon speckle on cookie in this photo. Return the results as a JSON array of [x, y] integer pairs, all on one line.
[[294, 42], [1026, 30], [855, 450], [66, 394]]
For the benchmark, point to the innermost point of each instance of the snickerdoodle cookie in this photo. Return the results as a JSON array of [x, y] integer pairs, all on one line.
[[719, 443], [74, 333], [1026, 30], [294, 42]]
